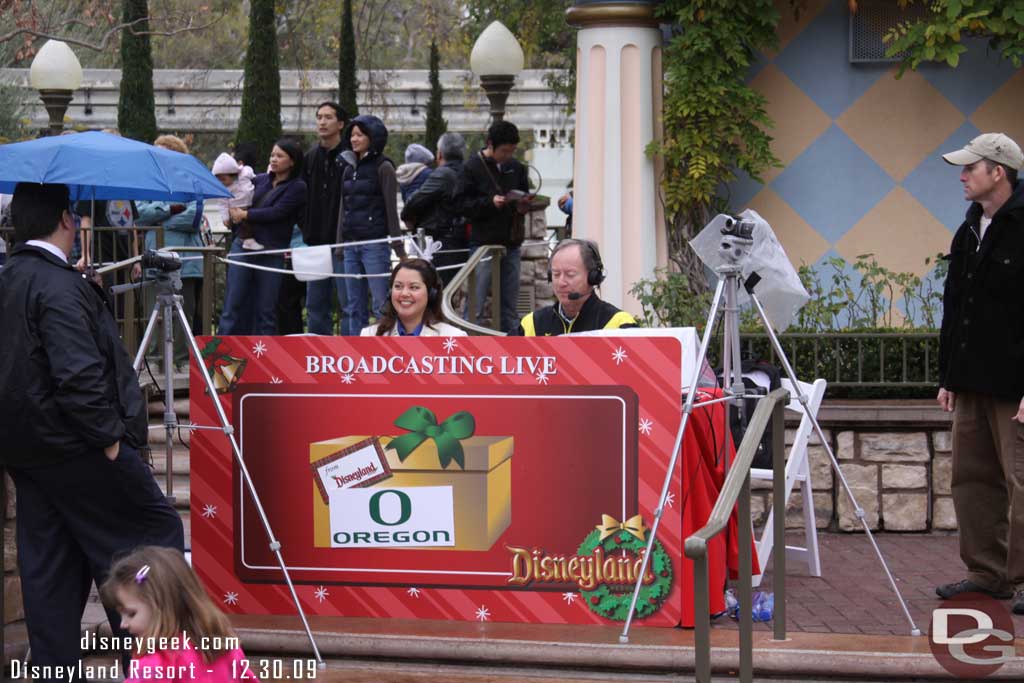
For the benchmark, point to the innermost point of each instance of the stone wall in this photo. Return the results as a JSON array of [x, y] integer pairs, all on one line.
[[899, 476]]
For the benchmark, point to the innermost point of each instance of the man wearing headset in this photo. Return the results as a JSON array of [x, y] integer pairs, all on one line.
[[576, 271]]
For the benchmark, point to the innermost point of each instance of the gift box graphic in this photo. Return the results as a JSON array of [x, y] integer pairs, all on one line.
[[478, 469]]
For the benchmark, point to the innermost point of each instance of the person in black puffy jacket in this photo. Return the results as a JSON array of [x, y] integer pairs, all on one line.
[[369, 190], [72, 421]]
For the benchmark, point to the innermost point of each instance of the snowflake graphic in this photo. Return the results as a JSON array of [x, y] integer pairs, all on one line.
[[483, 614], [619, 355], [348, 379], [414, 592], [670, 499], [276, 380], [231, 598], [259, 349], [569, 598], [450, 344], [542, 378], [209, 511], [646, 426], [321, 593]]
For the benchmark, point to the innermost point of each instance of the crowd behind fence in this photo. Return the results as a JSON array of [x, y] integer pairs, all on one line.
[[870, 360]]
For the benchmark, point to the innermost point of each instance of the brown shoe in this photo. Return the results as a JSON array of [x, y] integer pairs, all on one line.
[[949, 590]]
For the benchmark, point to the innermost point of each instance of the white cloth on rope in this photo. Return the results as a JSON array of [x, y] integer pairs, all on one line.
[[312, 263]]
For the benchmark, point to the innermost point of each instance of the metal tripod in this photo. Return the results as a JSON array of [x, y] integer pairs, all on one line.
[[730, 278], [168, 305]]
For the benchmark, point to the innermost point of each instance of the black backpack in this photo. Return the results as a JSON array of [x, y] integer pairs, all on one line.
[[755, 375]]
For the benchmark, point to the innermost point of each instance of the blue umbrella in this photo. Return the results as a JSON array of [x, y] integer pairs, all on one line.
[[98, 165]]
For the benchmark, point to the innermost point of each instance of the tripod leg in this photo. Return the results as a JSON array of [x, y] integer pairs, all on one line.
[[275, 545], [146, 337], [687, 409], [858, 510], [167, 302]]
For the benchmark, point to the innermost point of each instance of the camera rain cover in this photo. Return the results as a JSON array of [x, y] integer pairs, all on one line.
[[780, 291]]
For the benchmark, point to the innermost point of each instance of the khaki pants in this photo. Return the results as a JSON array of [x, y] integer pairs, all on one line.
[[988, 490]]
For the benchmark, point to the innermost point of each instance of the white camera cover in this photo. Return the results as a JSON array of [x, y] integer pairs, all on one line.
[[780, 291]]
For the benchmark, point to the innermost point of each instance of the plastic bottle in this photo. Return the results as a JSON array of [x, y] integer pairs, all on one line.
[[764, 605]]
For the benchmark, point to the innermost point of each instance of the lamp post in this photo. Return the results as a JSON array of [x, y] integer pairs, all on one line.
[[497, 58], [55, 73]]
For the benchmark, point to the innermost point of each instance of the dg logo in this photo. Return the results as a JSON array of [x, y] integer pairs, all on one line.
[[972, 635]]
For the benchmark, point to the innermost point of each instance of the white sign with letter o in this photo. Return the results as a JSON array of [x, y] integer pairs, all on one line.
[[410, 517]]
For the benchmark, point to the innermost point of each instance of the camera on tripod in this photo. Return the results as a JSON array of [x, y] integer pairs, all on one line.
[[737, 240], [165, 261], [737, 227]]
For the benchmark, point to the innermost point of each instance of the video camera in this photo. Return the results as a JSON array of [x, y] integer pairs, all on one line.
[[166, 261], [737, 239]]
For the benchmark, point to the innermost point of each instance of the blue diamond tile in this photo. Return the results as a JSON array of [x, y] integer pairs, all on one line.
[[981, 72], [818, 61], [936, 184], [833, 184], [742, 190]]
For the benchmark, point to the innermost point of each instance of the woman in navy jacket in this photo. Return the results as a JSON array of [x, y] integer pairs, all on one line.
[[278, 204]]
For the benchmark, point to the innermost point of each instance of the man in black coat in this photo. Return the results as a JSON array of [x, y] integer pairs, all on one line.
[[491, 175], [72, 421], [981, 369], [322, 169], [437, 206]]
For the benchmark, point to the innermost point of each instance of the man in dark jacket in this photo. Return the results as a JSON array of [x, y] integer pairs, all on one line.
[[436, 206], [981, 369], [490, 175], [576, 272], [72, 421], [323, 168]]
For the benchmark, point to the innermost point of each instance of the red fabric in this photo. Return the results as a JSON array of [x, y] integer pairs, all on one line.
[[703, 471]]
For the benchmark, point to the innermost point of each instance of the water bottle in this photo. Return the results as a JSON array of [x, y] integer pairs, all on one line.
[[732, 604], [763, 605]]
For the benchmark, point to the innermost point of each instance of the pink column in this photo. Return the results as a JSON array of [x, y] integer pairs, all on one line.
[[618, 113]]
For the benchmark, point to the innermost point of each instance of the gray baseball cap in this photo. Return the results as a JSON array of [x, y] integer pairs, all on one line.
[[995, 147]]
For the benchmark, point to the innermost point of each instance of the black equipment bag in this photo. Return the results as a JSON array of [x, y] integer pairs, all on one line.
[[759, 378]]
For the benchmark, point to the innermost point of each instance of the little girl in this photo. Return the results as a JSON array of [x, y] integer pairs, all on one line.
[[237, 178], [162, 605]]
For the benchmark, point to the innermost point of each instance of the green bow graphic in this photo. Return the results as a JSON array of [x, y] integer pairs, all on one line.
[[422, 425]]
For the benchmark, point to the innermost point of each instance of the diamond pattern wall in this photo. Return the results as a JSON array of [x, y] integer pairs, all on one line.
[[861, 151]]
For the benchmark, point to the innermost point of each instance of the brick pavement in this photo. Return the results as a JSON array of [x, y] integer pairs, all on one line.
[[853, 596]]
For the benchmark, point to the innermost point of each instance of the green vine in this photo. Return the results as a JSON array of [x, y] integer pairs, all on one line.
[[937, 37], [714, 121]]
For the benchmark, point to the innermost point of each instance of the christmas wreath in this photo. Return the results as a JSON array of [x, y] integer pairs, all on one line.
[[612, 605]]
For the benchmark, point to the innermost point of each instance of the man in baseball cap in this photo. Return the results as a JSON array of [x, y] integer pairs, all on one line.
[[981, 369]]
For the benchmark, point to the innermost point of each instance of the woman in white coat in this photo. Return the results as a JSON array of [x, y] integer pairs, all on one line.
[[414, 307]]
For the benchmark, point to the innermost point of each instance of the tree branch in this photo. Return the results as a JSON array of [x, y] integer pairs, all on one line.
[[114, 30]]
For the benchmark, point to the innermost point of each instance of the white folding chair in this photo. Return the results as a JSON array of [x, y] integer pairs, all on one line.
[[797, 471]]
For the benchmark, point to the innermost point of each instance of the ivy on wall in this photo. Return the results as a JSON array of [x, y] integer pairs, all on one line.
[[937, 37], [714, 122]]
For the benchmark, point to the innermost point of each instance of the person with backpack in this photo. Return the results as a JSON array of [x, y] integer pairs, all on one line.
[[435, 207]]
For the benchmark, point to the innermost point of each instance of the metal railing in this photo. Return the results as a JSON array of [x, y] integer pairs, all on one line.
[[735, 493], [851, 359], [468, 273]]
